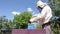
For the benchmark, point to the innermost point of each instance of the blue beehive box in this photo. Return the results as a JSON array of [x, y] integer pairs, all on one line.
[[31, 26]]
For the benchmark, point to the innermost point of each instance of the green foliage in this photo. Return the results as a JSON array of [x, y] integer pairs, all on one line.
[[56, 26], [38, 27], [8, 24], [22, 20], [55, 5], [0, 25], [57, 12], [4, 23]]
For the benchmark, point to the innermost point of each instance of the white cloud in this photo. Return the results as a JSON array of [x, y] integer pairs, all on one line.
[[14, 12], [29, 9]]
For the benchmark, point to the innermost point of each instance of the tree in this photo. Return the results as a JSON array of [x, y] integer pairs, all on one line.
[[2, 21], [21, 21], [8, 24], [55, 5]]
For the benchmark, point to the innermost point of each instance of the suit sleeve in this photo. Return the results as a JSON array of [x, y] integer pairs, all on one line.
[[41, 15]]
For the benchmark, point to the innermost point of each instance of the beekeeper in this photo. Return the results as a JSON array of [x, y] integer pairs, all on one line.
[[44, 17]]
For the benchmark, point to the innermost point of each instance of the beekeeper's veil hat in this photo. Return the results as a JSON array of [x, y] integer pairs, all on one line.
[[39, 3]]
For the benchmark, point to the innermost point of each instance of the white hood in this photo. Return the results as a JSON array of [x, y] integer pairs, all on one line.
[[39, 3]]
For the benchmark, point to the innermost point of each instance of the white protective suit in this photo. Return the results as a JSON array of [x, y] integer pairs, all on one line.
[[45, 13]]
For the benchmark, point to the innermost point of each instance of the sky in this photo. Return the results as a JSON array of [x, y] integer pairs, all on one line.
[[9, 8]]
